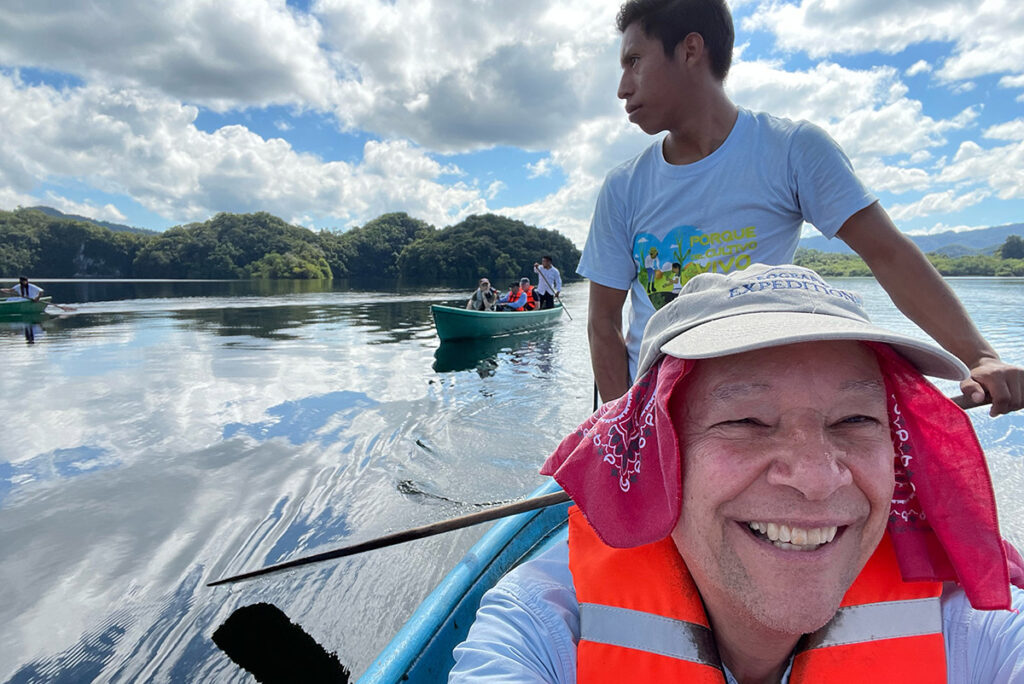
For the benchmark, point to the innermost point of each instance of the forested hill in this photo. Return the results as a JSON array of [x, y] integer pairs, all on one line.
[[116, 227], [229, 246]]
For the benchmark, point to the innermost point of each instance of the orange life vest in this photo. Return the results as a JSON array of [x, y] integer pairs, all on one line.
[[642, 620], [531, 302], [510, 300]]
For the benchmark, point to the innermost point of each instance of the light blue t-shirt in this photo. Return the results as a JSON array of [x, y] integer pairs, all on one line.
[[528, 625], [744, 203]]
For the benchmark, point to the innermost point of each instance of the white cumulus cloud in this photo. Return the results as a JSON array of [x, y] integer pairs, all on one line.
[[985, 35], [146, 146]]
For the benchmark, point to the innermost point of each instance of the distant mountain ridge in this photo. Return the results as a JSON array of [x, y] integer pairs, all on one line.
[[949, 243], [116, 227]]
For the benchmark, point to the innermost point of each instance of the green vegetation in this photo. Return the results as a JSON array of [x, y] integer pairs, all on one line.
[[45, 247], [1013, 248], [228, 246], [1008, 261], [233, 246], [374, 249], [488, 245]]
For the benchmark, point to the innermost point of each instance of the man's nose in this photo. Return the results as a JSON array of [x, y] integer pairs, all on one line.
[[625, 85], [807, 462]]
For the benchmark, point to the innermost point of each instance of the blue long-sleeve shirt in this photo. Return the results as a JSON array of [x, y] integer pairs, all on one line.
[[517, 304]]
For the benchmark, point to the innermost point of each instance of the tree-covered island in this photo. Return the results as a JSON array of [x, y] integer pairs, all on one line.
[[260, 245]]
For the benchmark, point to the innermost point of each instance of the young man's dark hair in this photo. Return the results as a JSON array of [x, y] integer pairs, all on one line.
[[670, 21]]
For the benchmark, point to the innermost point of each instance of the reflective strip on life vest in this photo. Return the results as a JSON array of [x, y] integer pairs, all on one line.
[[877, 621], [647, 632]]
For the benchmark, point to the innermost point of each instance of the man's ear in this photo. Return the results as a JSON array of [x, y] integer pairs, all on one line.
[[690, 49]]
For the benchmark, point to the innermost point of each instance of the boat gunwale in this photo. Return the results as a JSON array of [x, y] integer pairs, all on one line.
[[415, 650]]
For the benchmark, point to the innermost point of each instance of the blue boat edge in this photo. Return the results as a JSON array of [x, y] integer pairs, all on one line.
[[422, 650]]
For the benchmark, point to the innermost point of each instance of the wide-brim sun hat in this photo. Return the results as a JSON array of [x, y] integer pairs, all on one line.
[[718, 314]]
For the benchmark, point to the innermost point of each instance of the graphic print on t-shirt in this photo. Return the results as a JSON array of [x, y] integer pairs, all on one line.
[[665, 264]]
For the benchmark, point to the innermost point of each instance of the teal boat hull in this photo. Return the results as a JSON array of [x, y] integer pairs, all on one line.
[[422, 650], [17, 307], [453, 323]]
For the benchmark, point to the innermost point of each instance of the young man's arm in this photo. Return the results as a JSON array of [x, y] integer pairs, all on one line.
[[923, 296], [607, 346]]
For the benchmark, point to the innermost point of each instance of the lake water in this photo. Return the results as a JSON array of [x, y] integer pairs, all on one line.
[[165, 434]]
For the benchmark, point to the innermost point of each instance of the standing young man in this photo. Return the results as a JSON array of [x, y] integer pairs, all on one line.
[[727, 187], [549, 282]]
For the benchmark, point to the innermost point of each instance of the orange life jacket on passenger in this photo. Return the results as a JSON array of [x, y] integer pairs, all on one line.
[[531, 302], [509, 300], [642, 620]]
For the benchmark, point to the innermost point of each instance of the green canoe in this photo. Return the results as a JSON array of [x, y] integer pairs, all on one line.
[[454, 323], [19, 306]]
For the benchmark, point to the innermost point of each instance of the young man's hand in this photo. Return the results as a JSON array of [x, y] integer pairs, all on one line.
[[1001, 382]]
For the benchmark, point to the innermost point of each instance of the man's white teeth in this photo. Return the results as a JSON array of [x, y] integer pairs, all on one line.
[[795, 538]]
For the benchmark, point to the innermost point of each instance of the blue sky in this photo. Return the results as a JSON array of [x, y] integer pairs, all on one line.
[[329, 113]]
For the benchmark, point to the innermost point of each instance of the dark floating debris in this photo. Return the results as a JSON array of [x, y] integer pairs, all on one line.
[[410, 488]]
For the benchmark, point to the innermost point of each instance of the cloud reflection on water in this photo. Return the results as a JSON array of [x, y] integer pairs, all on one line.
[[303, 420]]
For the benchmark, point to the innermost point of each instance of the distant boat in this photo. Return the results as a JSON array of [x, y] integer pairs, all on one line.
[[422, 650], [19, 306], [453, 323]]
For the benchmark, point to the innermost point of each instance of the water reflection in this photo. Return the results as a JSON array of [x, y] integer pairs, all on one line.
[[267, 322], [80, 291], [482, 354], [29, 328], [55, 465], [305, 420], [399, 321]]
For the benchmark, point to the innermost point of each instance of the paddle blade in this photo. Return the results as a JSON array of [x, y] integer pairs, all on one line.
[[261, 639]]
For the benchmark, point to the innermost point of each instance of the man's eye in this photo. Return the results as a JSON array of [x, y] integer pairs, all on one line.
[[743, 421], [857, 420]]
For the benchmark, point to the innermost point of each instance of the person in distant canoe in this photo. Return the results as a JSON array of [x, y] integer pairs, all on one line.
[[549, 283], [484, 298], [531, 297], [514, 300], [24, 289]]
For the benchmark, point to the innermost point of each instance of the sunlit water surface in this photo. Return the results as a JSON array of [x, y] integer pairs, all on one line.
[[166, 434]]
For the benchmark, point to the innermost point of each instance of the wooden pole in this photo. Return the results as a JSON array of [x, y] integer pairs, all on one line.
[[408, 535]]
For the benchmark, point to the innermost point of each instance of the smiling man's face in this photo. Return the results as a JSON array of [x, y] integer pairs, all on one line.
[[788, 477]]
